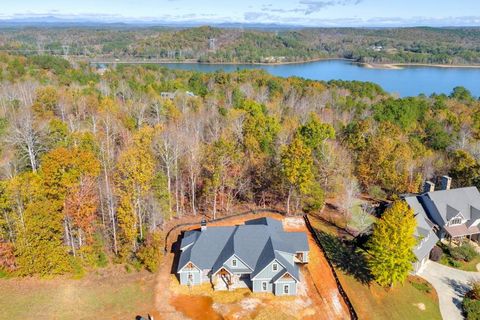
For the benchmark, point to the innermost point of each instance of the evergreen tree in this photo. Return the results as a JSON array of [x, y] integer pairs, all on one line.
[[391, 245]]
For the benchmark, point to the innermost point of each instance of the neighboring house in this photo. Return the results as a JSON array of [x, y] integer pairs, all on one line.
[[444, 214], [172, 95], [259, 255]]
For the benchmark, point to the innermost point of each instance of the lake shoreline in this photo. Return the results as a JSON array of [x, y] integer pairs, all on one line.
[[399, 66], [384, 66]]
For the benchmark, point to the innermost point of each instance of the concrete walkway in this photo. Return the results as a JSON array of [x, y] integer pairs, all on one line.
[[451, 285]]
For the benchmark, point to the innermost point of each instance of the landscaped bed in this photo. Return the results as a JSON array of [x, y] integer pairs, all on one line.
[[463, 257]]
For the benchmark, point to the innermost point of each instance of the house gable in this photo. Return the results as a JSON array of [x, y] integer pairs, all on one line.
[[286, 277], [189, 267], [268, 273], [239, 264]]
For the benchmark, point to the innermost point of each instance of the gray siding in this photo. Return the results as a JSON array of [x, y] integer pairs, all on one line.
[[240, 265], [196, 279], [257, 286], [279, 288], [268, 272]]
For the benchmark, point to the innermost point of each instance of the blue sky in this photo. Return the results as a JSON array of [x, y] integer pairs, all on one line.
[[299, 12]]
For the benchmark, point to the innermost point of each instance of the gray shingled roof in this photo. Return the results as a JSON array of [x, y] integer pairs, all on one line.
[[424, 232], [257, 243], [448, 203]]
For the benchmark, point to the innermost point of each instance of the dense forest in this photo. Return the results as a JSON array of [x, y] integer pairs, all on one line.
[[207, 44], [94, 164]]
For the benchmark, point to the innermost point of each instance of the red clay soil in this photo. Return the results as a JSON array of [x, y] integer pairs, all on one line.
[[320, 277]]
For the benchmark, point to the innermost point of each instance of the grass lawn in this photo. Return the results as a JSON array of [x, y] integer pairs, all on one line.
[[108, 296], [415, 299], [401, 302]]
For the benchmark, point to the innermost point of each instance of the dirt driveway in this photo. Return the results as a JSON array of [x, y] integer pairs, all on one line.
[[318, 296], [451, 285]]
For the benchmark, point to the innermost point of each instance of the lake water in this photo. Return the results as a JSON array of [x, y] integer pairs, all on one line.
[[409, 81]]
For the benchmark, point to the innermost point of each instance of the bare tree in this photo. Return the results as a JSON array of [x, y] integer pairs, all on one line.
[[26, 137]]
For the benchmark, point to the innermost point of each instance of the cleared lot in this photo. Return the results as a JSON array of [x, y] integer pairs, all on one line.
[[318, 296]]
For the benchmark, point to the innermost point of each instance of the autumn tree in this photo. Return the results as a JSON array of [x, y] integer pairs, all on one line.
[[68, 181], [221, 169], [133, 179], [391, 245], [40, 248], [465, 168], [297, 163], [46, 101]]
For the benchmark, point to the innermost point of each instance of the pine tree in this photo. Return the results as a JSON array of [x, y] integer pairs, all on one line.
[[391, 245]]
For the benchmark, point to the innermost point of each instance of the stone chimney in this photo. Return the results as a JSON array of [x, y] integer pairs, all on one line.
[[446, 182], [203, 224], [428, 186]]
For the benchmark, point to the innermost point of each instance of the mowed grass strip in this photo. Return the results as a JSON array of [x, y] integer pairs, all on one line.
[[401, 302], [89, 298]]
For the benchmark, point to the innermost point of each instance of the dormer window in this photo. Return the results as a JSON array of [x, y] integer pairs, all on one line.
[[274, 267], [455, 221], [234, 262]]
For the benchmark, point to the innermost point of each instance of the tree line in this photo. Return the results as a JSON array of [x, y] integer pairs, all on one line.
[[94, 165], [208, 44]]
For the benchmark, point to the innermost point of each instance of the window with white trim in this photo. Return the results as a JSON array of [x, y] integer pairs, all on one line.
[[275, 267], [234, 262], [264, 285], [286, 288], [455, 221]]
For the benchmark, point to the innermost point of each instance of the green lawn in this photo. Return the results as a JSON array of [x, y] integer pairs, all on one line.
[[401, 302], [112, 297]]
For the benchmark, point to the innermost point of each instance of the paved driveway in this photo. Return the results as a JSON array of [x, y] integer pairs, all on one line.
[[451, 285]]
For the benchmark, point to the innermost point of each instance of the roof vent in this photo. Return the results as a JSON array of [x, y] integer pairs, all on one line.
[[203, 224], [428, 186], [446, 182]]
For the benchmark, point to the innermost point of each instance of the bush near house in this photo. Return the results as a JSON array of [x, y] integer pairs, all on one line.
[[471, 302], [465, 252], [463, 257]]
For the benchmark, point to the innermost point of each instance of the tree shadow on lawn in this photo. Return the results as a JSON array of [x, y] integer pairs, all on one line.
[[345, 257]]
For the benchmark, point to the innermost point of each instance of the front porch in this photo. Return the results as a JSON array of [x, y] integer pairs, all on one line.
[[460, 233], [226, 280]]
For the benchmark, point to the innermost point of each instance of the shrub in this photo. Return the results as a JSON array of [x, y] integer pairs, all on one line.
[[474, 293], [436, 253], [149, 254], [424, 287], [471, 308], [376, 192], [464, 252], [7, 257]]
